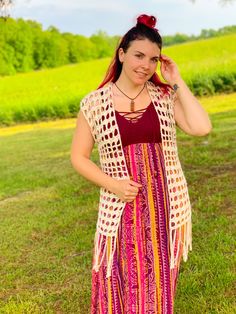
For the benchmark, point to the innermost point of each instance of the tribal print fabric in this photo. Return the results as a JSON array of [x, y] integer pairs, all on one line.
[[141, 280]]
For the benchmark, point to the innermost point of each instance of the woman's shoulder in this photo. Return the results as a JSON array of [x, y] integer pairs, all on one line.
[[95, 95], [159, 89]]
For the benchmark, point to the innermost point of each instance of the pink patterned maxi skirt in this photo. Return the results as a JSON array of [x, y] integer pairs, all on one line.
[[141, 281]]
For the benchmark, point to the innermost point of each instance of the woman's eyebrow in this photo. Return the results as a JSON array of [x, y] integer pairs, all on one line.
[[139, 52], [136, 51]]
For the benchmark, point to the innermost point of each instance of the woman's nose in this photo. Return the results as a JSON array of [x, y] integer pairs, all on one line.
[[145, 64]]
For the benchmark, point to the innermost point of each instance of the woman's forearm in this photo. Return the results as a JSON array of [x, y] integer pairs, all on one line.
[[89, 170]]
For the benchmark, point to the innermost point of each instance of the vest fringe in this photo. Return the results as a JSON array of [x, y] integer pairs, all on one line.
[[185, 240], [103, 250], [98, 241], [109, 247]]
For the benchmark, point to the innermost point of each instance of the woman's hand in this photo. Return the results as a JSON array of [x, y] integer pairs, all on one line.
[[126, 190], [169, 70]]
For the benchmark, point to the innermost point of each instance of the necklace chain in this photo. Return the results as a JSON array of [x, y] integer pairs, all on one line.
[[132, 99]]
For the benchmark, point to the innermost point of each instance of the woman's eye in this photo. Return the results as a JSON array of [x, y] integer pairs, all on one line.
[[139, 56]]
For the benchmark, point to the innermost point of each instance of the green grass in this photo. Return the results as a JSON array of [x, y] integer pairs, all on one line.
[[211, 55], [208, 66], [47, 94], [48, 219]]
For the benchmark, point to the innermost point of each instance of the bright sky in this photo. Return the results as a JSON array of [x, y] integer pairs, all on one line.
[[86, 17]]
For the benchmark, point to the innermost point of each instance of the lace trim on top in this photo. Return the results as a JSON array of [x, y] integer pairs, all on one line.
[[138, 114]]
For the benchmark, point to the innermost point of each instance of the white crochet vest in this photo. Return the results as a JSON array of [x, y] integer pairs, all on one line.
[[98, 109]]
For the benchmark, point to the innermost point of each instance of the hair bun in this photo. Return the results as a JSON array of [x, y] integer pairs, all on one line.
[[148, 20]]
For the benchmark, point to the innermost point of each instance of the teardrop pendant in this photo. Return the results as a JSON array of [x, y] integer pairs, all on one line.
[[132, 105]]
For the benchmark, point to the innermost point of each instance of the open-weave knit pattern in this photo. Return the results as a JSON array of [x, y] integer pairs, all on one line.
[[98, 109]]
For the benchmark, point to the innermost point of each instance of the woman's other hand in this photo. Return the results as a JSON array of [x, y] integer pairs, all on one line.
[[169, 70], [126, 189]]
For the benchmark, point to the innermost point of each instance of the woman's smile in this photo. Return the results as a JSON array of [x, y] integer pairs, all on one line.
[[141, 74]]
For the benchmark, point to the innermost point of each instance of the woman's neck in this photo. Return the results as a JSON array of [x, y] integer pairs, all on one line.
[[128, 86]]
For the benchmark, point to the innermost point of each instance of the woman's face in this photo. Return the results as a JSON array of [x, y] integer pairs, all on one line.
[[139, 61]]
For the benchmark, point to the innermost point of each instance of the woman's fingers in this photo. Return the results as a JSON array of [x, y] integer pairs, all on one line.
[[166, 60], [130, 199], [134, 187], [133, 183], [131, 193], [128, 190], [165, 57]]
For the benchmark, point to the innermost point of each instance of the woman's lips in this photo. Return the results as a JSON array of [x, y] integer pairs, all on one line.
[[141, 74]]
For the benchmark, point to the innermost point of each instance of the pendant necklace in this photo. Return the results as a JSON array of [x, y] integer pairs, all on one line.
[[132, 99]]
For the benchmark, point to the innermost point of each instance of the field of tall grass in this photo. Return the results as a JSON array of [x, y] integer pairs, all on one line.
[[208, 66]]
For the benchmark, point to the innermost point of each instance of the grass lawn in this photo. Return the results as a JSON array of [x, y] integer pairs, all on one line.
[[48, 218]]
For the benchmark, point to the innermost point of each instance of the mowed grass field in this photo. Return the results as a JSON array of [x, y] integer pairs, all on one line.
[[49, 212], [56, 93]]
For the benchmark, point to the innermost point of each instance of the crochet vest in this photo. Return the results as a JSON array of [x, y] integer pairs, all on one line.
[[98, 109]]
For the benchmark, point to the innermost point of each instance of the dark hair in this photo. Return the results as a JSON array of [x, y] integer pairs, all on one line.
[[144, 29]]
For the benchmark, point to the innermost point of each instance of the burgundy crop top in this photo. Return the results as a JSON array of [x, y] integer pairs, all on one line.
[[143, 128]]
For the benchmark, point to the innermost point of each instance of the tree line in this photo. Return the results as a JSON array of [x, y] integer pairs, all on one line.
[[25, 46], [205, 34]]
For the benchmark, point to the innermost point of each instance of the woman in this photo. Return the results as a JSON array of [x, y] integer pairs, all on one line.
[[144, 219]]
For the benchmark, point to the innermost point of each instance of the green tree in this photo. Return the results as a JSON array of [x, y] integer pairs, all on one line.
[[103, 44], [38, 44], [80, 48], [55, 48]]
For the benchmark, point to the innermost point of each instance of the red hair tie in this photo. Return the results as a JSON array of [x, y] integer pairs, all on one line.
[[148, 20]]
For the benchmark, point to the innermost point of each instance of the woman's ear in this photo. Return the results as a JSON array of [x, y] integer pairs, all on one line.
[[121, 54]]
